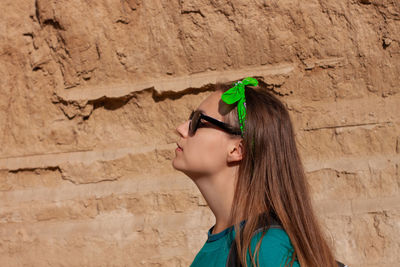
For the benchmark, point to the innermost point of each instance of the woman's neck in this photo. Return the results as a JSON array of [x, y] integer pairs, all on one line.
[[218, 191]]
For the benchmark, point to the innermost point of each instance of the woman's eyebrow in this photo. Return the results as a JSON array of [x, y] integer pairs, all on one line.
[[202, 111]]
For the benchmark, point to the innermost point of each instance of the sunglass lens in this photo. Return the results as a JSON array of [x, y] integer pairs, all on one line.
[[194, 122]]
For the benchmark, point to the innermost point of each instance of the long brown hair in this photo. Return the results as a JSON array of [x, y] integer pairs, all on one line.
[[271, 180]]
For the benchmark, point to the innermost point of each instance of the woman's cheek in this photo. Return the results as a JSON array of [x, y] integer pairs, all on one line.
[[213, 155]]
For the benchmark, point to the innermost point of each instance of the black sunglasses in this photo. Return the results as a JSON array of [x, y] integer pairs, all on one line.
[[195, 122]]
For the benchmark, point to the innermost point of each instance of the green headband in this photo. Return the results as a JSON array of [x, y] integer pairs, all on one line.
[[236, 94]]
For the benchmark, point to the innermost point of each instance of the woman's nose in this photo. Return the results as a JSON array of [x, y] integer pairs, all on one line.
[[183, 129]]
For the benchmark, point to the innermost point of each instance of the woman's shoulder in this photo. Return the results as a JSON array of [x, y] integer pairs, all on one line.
[[276, 248]]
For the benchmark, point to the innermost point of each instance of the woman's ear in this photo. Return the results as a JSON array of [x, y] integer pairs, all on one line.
[[235, 150]]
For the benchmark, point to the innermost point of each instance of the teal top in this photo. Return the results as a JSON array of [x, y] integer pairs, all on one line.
[[275, 249]]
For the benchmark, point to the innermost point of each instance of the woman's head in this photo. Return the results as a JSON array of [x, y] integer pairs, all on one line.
[[211, 149]]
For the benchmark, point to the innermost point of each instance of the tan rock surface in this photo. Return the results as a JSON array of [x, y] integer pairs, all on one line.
[[91, 92]]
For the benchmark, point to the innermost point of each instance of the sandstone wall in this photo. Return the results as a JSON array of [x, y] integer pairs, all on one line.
[[91, 93]]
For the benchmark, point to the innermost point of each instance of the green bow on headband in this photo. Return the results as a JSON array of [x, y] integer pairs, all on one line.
[[236, 94]]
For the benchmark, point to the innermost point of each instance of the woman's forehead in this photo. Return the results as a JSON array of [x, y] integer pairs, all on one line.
[[213, 106]]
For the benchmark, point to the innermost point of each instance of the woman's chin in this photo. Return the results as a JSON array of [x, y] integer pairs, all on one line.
[[176, 164]]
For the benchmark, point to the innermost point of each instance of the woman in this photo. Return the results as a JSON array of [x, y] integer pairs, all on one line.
[[238, 147]]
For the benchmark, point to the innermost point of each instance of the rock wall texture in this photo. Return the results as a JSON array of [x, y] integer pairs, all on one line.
[[91, 93]]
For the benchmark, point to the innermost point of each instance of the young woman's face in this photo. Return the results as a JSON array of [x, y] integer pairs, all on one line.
[[205, 152]]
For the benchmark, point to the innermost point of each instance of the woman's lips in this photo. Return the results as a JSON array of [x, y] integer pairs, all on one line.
[[179, 148]]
